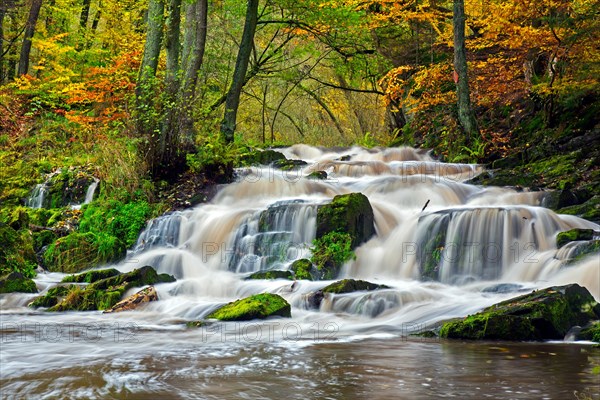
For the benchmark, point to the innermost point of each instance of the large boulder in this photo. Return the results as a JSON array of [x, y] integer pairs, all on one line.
[[102, 294], [540, 315], [348, 213], [259, 306], [16, 282], [135, 300]]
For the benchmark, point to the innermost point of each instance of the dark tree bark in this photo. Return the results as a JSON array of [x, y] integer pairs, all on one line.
[[193, 56], [232, 101], [85, 14], [466, 116], [152, 46], [34, 13], [2, 12], [172, 42]]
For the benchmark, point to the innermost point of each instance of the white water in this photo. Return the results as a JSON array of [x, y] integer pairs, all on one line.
[[267, 219]]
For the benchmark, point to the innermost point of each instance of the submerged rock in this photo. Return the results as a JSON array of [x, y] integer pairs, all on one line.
[[318, 175], [135, 300], [273, 274], [259, 306], [540, 315], [102, 294], [16, 282], [314, 299]]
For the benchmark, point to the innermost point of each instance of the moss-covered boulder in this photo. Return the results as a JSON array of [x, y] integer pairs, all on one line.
[[317, 175], [272, 274], [303, 269], [134, 301], [540, 315], [105, 293], [589, 210], [288, 165], [52, 297], [573, 235], [91, 276], [348, 213], [16, 282], [342, 286], [262, 157], [259, 306]]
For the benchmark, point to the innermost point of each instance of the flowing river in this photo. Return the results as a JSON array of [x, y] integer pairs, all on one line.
[[485, 245]]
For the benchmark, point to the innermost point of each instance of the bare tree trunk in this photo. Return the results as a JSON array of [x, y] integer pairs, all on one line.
[[232, 101], [152, 46], [2, 12], [85, 14], [172, 42], [34, 13], [465, 112], [193, 49]]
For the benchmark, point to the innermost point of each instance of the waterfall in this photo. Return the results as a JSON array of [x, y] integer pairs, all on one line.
[[37, 196]]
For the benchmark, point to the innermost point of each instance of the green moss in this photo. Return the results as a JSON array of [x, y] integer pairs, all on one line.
[[261, 157], [589, 210], [91, 276], [259, 306], [317, 175], [573, 235], [16, 251], [52, 296], [289, 165], [72, 253], [540, 315], [351, 285], [302, 269], [16, 282], [329, 253], [271, 275], [348, 213], [591, 333]]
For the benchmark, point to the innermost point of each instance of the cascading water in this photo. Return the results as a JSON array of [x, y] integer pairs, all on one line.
[[444, 248]]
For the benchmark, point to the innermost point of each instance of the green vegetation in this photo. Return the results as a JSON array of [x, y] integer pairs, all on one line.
[[330, 252], [303, 269], [259, 306], [349, 213], [91, 276], [16, 282], [574, 234]]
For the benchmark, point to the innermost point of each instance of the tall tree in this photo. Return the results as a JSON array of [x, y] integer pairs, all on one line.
[[149, 64], [465, 111], [239, 74], [34, 13]]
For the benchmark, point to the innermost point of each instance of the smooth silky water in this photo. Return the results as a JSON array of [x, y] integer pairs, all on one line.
[[496, 243]]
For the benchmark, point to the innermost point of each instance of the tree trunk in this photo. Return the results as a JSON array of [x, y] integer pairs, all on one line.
[[172, 42], [466, 116], [85, 14], [2, 12], [149, 64], [239, 75], [193, 53], [34, 13]]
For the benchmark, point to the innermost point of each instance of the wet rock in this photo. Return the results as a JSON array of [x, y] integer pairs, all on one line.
[[573, 235], [262, 157], [16, 282], [314, 299], [504, 288], [540, 315], [259, 306], [273, 274], [288, 165], [558, 199], [135, 300], [52, 297], [589, 210], [303, 269], [317, 175], [349, 213], [91, 276], [105, 293]]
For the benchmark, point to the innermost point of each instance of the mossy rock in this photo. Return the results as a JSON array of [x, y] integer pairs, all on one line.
[[317, 175], [559, 199], [105, 293], [16, 282], [134, 301], [329, 253], [351, 285], [259, 306], [591, 332], [288, 165], [52, 297], [545, 314], [505, 178], [348, 213], [67, 187], [573, 235], [91, 276], [269, 275], [262, 157], [303, 269], [589, 210]]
